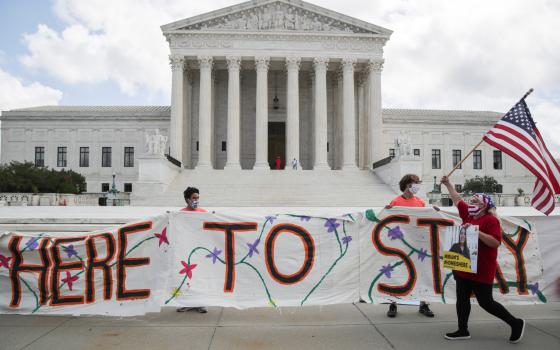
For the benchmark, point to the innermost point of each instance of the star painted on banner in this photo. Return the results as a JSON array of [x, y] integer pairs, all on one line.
[[422, 254], [5, 261], [331, 225], [534, 288], [395, 233], [162, 237], [214, 255], [32, 244], [346, 239], [270, 219], [70, 251], [253, 247], [386, 270], [188, 268], [69, 280]]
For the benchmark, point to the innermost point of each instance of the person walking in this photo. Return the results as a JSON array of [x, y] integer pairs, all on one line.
[[480, 211], [409, 185]]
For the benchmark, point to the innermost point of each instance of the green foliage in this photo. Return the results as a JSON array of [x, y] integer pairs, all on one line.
[[27, 178], [486, 184]]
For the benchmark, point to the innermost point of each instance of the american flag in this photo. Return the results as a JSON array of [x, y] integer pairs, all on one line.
[[517, 135]]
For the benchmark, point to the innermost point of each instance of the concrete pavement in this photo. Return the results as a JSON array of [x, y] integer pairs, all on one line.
[[348, 327]]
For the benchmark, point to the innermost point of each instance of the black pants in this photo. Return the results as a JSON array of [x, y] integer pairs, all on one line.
[[483, 293]]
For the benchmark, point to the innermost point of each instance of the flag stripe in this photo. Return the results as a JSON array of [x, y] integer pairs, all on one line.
[[518, 151]]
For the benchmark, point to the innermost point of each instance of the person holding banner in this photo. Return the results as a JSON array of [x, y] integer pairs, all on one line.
[[481, 212], [192, 197], [410, 186]]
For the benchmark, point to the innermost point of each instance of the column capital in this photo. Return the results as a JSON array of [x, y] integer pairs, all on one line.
[[375, 65], [293, 62], [348, 63], [177, 62], [205, 62], [262, 63], [233, 62], [320, 63]]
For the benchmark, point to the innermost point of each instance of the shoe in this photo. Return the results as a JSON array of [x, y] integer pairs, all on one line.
[[517, 331], [392, 310], [182, 309], [458, 335], [425, 310], [200, 310]]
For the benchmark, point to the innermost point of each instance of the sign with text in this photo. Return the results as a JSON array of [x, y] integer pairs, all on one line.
[[460, 250]]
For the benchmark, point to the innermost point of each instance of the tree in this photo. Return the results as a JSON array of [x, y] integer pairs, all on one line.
[[27, 178], [486, 184]]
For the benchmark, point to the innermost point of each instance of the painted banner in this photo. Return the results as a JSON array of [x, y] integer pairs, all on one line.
[[208, 259]]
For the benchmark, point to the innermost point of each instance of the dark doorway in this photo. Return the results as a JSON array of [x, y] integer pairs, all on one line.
[[276, 144]]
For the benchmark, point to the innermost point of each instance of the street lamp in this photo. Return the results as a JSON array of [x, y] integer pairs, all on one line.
[[434, 195], [113, 191]]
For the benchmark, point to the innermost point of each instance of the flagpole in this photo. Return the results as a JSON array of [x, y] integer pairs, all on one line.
[[481, 141]]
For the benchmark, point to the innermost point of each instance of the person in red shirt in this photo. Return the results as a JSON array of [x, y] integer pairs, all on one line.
[[409, 185], [278, 163], [192, 197], [480, 212]]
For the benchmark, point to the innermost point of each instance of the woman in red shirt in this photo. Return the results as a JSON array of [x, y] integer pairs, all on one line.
[[480, 212]]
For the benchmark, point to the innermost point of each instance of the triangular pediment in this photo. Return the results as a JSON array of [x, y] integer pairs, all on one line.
[[276, 16]]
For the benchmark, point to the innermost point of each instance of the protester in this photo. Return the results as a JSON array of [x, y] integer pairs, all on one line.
[[481, 212], [409, 185], [192, 197]]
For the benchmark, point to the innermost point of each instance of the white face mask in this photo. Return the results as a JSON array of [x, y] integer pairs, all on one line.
[[194, 204], [415, 188]]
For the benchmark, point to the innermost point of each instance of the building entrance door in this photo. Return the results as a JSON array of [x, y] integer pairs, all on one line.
[[276, 144]]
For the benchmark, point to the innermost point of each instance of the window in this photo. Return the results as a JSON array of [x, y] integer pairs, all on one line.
[[477, 159], [61, 157], [392, 152], [223, 146], [456, 157], [497, 159], [84, 157], [417, 152], [39, 156], [106, 157], [129, 157], [459, 188], [436, 159], [105, 187], [128, 187]]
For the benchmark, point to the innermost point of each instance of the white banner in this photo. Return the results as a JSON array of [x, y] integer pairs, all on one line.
[[204, 259]]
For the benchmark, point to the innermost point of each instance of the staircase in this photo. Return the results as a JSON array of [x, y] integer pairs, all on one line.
[[287, 188]]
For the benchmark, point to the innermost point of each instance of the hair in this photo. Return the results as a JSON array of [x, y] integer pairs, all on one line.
[[189, 192], [406, 180]]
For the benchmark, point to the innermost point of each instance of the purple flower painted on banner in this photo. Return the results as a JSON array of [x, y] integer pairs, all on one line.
[[422, 254], [346, 239], [332, 225], [270, 219], [305, 218], [253, 247], [32, 243], [534, 288], [395, 233], [214, 255], [70, 251], [386, 270]]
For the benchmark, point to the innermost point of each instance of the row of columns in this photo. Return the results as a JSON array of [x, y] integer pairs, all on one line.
[[320, 65]]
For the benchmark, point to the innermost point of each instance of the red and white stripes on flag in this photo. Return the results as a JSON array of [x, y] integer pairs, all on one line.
[[517, 135]]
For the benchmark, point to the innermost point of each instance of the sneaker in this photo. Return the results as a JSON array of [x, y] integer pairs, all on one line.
[[458, 335], [425, 310], [517, 331], [182, 309], [392, 310], [200, 310]]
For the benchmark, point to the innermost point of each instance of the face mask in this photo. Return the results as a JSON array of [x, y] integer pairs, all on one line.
[[194, 204], [474, 210], [414, 188]]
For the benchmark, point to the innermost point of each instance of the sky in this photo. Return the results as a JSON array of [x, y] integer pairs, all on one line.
[[443, 54]]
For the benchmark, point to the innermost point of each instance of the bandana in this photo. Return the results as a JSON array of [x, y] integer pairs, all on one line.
[[484, 198]]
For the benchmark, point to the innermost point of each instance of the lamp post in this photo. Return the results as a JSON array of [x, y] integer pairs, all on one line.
[[434, 195], [113, 191]]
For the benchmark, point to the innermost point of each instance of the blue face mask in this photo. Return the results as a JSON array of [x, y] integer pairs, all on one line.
[[194, 204]]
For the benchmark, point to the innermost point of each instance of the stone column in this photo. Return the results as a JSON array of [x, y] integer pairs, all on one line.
[[375, 118], [187, 119], [292, 127], [349, 117], [233, 123], [205, 113], [261, 127], [320, 64], [177, 108], [362, 142]]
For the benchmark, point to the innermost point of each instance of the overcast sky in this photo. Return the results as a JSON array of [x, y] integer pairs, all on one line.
[[443, 54]]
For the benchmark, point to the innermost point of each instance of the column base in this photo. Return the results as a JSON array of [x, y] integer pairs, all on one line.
[[232, 166], [323, 166], [203, 167], [350, 167], [261, 166]]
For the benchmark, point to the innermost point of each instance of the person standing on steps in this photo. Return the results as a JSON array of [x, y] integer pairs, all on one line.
[[277, 163], [481, 212], [409, 185], [192, 197]]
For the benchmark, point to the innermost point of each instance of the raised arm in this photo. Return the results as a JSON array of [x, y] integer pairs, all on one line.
[[455, 197]]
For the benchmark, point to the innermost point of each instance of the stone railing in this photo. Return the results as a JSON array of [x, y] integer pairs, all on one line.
[[500, 199], [63, 199]]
